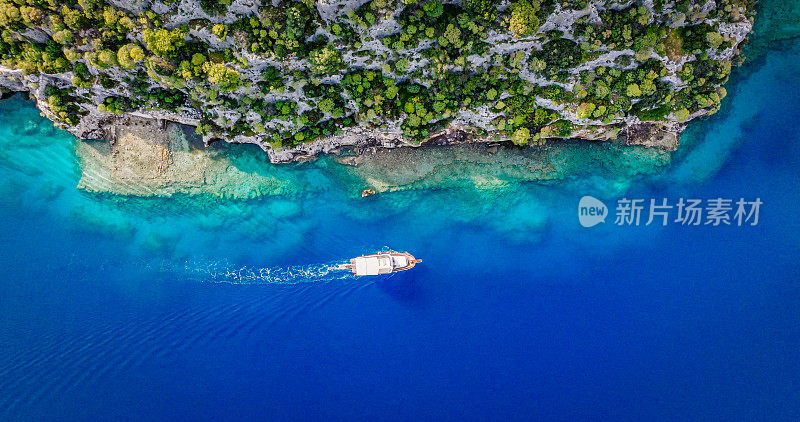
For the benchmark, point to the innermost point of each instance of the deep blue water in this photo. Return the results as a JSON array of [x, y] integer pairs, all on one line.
[[190, 308]]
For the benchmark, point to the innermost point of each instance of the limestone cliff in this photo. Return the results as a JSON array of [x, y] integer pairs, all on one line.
[[300, 78]]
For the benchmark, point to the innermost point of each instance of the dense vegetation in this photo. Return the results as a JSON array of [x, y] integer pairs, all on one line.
[[285, 75]]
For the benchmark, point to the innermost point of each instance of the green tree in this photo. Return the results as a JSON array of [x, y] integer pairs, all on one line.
[[648, 87], [401, 66], [681, 115], [516, 58], [10, 15], [220, 30], [297, 18], [31, 15], [215, 7], [585, 110], [129, 55], [73, 18], [325, 60], [164, 42], [198, 59], [110, 16], [224, 77], [714, 39], [107, 58], [599, 112], [92, 57], [71, 54], [521, 136], [433, 8], [88, 5], [326, 105], [633, 90], [63, 37], [523, 21], [451, 36], [482, 9], [537, 65]]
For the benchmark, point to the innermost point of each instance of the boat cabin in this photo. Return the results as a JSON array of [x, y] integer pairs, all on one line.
[[373, 265]]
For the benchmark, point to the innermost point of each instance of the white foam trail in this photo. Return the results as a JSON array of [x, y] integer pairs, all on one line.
[[224, 272]]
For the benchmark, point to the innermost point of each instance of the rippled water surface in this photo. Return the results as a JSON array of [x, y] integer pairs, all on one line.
[[205, 307]]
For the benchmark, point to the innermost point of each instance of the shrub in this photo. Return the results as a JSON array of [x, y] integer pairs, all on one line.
[[653, 114]]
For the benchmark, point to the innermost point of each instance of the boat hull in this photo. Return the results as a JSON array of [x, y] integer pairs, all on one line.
[[381, 263]]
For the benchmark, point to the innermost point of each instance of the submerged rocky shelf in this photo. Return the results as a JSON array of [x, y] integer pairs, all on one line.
[[300, 78], [149, 160]]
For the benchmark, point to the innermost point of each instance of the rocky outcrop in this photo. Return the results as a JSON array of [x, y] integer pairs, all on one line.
[[654, 135]]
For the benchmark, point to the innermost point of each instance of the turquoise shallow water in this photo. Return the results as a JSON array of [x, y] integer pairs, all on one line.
[[196, 307]]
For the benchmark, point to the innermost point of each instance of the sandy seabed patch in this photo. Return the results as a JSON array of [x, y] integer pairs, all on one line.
[[147, 159]]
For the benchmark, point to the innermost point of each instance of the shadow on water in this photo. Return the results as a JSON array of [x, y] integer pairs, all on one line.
[[403, 287]]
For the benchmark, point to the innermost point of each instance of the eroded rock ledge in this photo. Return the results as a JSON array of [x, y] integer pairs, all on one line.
[[664, 136]]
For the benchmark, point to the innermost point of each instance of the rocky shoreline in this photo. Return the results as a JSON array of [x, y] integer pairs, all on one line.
[[98, 107], [648, 134], [353, 142], [157, 158]]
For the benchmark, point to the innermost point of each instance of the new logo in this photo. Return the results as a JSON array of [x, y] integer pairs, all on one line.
[[591, 211]]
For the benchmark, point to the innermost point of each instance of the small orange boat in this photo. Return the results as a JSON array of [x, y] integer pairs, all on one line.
[[381, 263]]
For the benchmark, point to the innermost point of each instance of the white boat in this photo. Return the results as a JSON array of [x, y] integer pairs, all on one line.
[[381, 263]]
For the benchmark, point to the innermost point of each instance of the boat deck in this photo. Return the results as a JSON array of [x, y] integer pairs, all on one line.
[[381, 263]]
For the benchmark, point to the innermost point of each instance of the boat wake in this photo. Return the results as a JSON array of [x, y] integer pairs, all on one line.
[[225, 272]]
